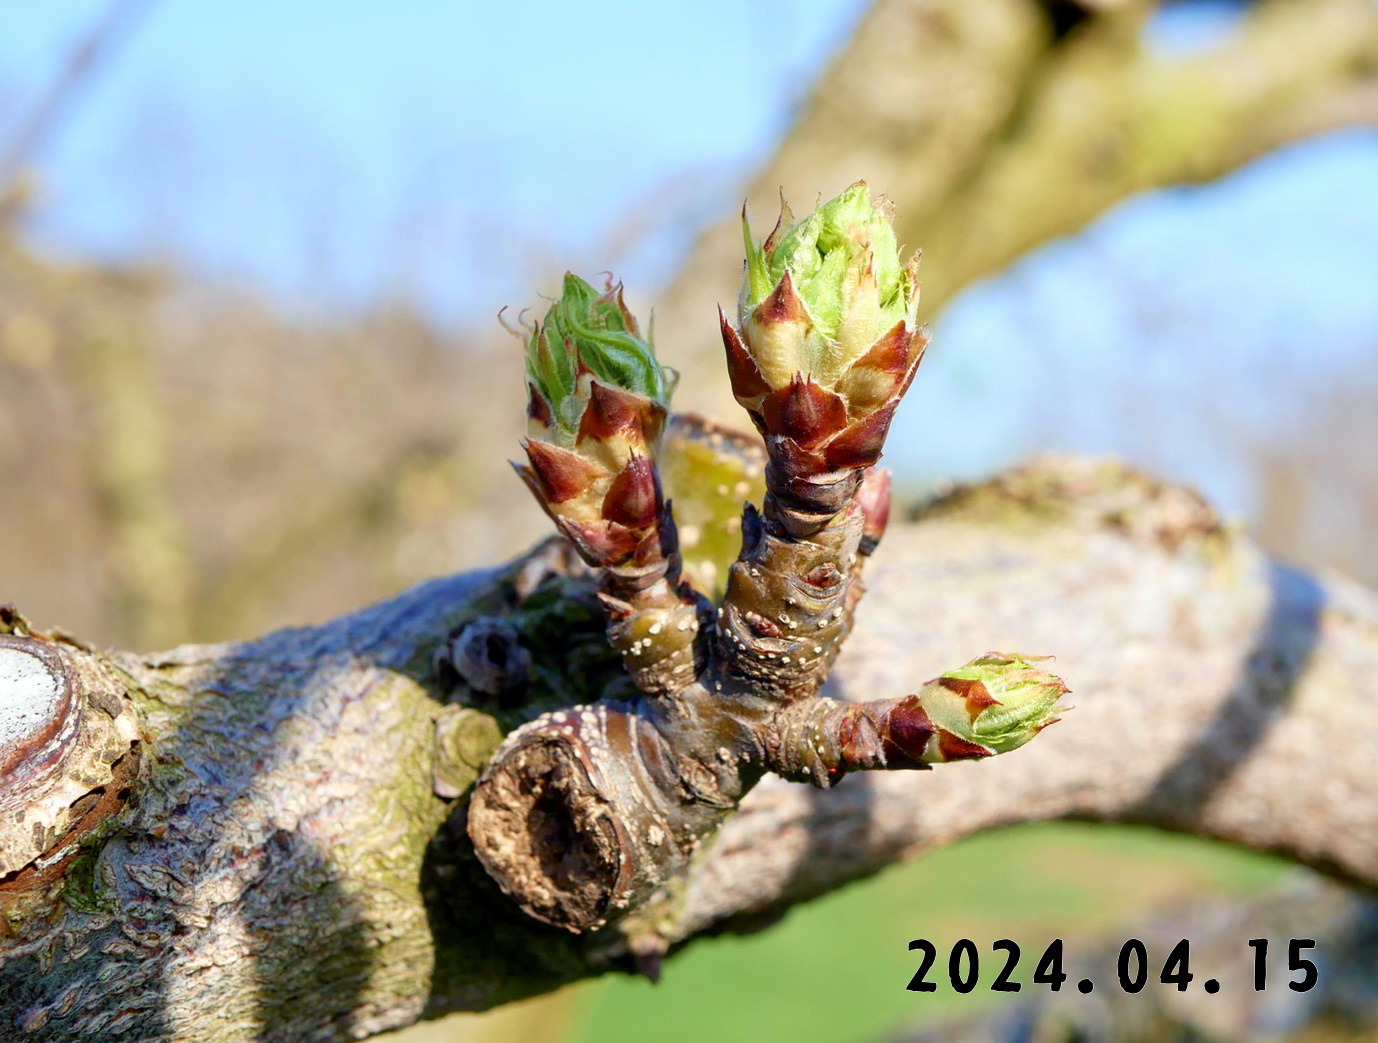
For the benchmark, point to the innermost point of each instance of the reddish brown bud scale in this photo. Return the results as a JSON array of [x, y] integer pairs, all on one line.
[[633, 498], [789, 458], [973, 691], [884, 373], [611, 412], [804, 411], [609, 544], [891, 351], [858, 741], [748, 386], [529, 479], [860, 444], [537, 408], [955, 748], [560, 474], [782, 304], [918, 348], [908, 731]]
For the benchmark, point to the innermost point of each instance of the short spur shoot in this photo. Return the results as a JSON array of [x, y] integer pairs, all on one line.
[[597, 403], [583, 813]]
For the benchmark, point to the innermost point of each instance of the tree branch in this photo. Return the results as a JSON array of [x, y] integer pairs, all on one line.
[[288, 873], [1217, 692], [47, 114]]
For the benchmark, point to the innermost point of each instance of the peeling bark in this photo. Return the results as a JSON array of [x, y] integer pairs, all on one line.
[[288, 872], [69, 760]]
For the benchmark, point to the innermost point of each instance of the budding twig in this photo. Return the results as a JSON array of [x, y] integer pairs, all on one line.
[[828, 344], [584, 813], [596, 408]]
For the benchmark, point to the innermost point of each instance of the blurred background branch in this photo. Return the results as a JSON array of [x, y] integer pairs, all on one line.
[[55, 103]]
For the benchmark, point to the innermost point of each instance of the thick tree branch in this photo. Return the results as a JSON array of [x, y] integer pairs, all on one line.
[[1107, 117], [287, 872]]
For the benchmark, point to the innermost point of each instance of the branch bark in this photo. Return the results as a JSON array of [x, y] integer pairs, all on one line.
[[286, 872], [993, 131]]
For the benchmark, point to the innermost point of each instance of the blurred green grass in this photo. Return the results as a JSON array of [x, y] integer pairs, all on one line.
[[836, 969]]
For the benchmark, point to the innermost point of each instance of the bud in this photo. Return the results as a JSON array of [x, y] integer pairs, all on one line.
[[828, 338], [587, 338], [597, 400], [873, 497], [994, 704]]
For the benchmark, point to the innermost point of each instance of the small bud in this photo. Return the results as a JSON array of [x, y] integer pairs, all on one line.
[[597, 402], [588, 336], [488, 656], [994, 704], [873, 498]]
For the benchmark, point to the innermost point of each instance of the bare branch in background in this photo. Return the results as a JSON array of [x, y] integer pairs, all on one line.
[[55, 104]]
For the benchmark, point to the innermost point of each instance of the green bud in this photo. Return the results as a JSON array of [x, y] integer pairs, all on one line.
[[592, 331], [996, 701], [844, 268]]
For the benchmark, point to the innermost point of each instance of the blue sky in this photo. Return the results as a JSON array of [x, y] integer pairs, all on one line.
[[333, 154], [335, 150], [1177, 318]]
